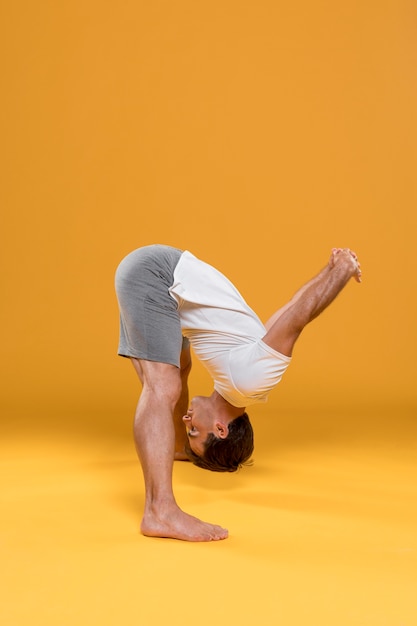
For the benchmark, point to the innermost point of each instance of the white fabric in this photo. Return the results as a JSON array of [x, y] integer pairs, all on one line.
[[225, 333]]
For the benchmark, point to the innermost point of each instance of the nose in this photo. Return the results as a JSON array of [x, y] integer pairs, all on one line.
[[186, 418]]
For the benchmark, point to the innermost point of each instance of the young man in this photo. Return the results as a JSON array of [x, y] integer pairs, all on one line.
[[168, 299]]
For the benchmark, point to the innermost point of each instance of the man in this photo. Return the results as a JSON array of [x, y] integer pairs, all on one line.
[[168, 299]]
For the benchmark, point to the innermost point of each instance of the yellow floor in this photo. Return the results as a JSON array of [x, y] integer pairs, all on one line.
[[323, 527]]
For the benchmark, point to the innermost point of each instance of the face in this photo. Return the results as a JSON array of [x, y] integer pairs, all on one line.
[[199, 422]]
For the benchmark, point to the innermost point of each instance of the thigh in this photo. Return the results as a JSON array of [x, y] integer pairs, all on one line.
[[138, 368]]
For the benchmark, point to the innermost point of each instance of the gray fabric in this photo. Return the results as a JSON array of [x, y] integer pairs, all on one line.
[[150, 326]]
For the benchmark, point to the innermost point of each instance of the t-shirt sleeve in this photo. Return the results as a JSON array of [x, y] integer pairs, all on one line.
[[254, 370]]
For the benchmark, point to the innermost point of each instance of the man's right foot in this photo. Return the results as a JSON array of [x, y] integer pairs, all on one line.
[[175, 524]]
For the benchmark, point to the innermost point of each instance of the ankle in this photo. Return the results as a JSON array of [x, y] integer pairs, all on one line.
[[160, 507]]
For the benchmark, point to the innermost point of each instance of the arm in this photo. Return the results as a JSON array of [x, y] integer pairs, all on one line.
[[284, 328], [296, 297]]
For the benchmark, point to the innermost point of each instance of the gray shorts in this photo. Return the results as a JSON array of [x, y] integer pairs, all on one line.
[[150, 326]]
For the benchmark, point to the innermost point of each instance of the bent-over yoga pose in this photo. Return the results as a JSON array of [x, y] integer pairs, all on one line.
[[169, 299]]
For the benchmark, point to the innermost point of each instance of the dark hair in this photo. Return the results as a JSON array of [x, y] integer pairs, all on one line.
[[229, 454]]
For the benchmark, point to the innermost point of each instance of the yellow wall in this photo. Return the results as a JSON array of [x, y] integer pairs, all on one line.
[[256, 134]]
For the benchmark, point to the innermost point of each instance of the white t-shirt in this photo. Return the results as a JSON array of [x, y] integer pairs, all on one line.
[[225, 333]]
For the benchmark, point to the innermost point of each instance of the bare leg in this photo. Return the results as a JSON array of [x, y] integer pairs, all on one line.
[[181, 407], [285, 326], [155, 442], [182, 404]]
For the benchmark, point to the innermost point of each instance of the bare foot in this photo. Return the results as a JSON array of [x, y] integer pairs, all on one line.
[[175, 524]]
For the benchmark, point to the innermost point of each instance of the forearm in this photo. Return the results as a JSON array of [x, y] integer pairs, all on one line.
[[319, 294], [286, 325], [296, 297]]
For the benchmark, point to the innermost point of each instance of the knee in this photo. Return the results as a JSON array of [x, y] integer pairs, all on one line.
[[166, 385], [171, 389]]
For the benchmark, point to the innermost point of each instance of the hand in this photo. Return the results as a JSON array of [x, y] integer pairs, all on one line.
[[349, 258]]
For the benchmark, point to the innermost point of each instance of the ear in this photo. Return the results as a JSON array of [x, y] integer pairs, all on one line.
[[221, 430]]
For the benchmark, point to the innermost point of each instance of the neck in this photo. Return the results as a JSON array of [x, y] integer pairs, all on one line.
[[224, 407]]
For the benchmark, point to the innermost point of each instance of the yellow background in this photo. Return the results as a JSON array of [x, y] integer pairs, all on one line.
[[258, 135]]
